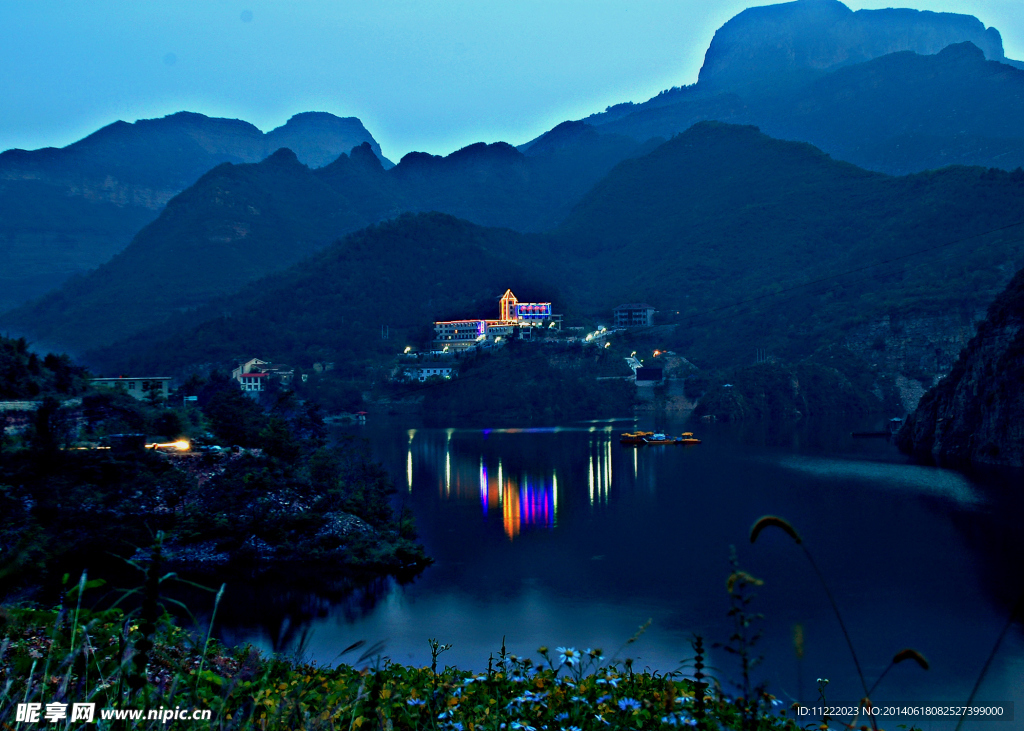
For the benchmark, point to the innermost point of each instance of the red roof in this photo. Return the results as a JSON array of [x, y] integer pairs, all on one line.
[[255, 375]]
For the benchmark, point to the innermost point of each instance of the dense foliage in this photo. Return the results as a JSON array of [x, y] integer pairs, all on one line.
[[75, 494], [529, 384], [389, 280], [832, 383], [24, 375]]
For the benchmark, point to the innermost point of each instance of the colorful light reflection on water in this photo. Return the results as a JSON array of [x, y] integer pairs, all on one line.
[[525, 499]]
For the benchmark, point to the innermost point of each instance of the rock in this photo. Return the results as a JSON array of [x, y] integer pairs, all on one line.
[[975, 415], [795, 41]]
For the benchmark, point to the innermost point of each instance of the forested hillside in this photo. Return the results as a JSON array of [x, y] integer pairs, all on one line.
[[740, 241], [241, 222], [757, 242], [402, 274]]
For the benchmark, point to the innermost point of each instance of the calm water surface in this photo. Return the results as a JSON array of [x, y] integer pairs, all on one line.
[[565, 537]]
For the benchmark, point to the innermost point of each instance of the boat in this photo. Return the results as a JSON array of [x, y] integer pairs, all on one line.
[[648, 437], [660, 438], [636, 437]]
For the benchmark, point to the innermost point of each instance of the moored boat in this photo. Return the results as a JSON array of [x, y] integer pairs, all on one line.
[[688, 438], [636, 437], [660, 438]]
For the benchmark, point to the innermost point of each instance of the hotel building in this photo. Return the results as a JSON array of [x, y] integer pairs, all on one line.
[[515, 319]]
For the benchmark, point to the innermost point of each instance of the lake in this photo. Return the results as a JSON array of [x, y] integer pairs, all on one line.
[[564, 537]]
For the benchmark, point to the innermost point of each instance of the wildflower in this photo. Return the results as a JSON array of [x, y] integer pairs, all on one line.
[[568, 655], [602, 699], [629, 704], [444, 714], [563, 716], [415, 702], [613, 682], [574, 728], [517, 725], [455, 725]]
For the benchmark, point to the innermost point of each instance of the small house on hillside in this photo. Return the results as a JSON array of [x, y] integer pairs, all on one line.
[[141, 387], [254, 374], [634, 314]]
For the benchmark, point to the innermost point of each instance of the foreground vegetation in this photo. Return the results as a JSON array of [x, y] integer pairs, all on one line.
[[140, 660]]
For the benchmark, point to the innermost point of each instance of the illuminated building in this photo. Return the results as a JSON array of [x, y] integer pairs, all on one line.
[[515, 319]]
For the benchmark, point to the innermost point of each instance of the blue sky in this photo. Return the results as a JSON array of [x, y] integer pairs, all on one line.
[[432, 75]]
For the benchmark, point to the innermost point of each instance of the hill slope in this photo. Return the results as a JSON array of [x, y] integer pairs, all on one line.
[[402, 274], [241, 222], [754, 242], [779, 242]]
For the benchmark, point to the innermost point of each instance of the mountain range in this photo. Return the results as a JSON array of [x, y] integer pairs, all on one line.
[[713, 220], [739, 240], [65, 211]]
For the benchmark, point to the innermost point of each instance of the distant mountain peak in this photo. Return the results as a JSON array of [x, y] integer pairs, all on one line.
[[965, 50], [763, 48], [320, 137], [282, 156], [559, 136]]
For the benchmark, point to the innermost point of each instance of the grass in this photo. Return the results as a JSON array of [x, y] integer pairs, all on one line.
[[87, 653]]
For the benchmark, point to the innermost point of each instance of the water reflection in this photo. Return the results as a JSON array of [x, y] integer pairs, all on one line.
[[916, 478], [565, 536]]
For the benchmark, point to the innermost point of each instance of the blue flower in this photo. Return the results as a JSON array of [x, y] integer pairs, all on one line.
[[563, 716], [629, 704], [415, 702], [602, 699]]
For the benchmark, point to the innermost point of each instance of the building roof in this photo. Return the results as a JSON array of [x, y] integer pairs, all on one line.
[[634, 306], [254, 375], [132, 378]]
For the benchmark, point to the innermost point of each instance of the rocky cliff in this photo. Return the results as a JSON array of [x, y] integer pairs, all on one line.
[[976, 413], [764, 47]]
